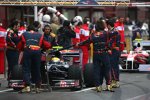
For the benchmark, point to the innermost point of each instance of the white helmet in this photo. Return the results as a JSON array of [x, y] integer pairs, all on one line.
[[46, 18], [77, 19]]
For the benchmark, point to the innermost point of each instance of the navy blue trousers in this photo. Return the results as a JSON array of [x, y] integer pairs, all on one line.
[[31, 66], [102, 66], [12, 59], [114, 59]]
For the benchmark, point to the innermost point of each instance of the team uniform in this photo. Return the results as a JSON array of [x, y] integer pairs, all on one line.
[[84, 35], [31, 44], [114, 57], [2, 46], [120, 28], [12, 52]]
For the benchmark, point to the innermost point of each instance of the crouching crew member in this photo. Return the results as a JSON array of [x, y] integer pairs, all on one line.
[[31, 43], [101, 58], [114, 58]]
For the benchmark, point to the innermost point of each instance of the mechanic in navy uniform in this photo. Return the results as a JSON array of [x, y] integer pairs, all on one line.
[[12, 53], [31, 43], [65, 34], [114, 57], [101, 58], [51, 38]]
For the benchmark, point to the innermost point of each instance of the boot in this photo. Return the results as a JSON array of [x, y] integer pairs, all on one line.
[[26, 89], [109, 88]]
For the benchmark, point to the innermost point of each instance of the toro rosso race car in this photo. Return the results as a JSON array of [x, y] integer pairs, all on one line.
[[60, 71], [139, 59]]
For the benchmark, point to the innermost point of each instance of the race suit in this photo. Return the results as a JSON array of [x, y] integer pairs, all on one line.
[[12, 52], [101, 58], [75, 41], [84, 35], [2, 46], [114, 57], [31, 44], [120, 28]]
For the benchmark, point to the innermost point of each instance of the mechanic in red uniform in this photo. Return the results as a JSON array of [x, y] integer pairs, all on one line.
[[84, 35], [31, 43], [22, 28], [77, 27], [119, 26], [2, 46]]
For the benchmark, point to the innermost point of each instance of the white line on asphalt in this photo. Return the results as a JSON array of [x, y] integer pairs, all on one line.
[[83, 90], [138, 97], [6, 90]]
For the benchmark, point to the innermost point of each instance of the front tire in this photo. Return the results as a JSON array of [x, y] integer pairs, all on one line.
[[88, 75], [75, 73]]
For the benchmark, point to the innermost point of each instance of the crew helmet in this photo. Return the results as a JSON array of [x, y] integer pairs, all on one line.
[[77, 19], [46, 18]]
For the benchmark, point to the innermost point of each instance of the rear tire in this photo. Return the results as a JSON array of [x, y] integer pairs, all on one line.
[[88, 75], [75, 73], [17, 73]]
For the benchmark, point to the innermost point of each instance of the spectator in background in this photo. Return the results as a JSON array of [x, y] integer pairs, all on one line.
[[55, 24], [145, 29], [128, 21], [136, 30]]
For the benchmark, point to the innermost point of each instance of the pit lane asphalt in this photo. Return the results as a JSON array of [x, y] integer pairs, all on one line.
[[134, 86]]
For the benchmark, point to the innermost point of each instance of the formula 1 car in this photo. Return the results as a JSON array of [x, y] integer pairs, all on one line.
[[139, 59], [60, 71]]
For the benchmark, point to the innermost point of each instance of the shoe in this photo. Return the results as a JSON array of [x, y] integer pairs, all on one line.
[[98, 88], [115, 84], [26, 90], [109, 88]]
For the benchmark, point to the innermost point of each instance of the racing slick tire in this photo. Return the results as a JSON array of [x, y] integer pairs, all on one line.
[[75, 72], [17, 75], [17, 72], [88, 75]]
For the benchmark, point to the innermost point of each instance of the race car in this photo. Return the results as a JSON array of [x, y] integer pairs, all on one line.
[[60, 71], [137, 59]]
